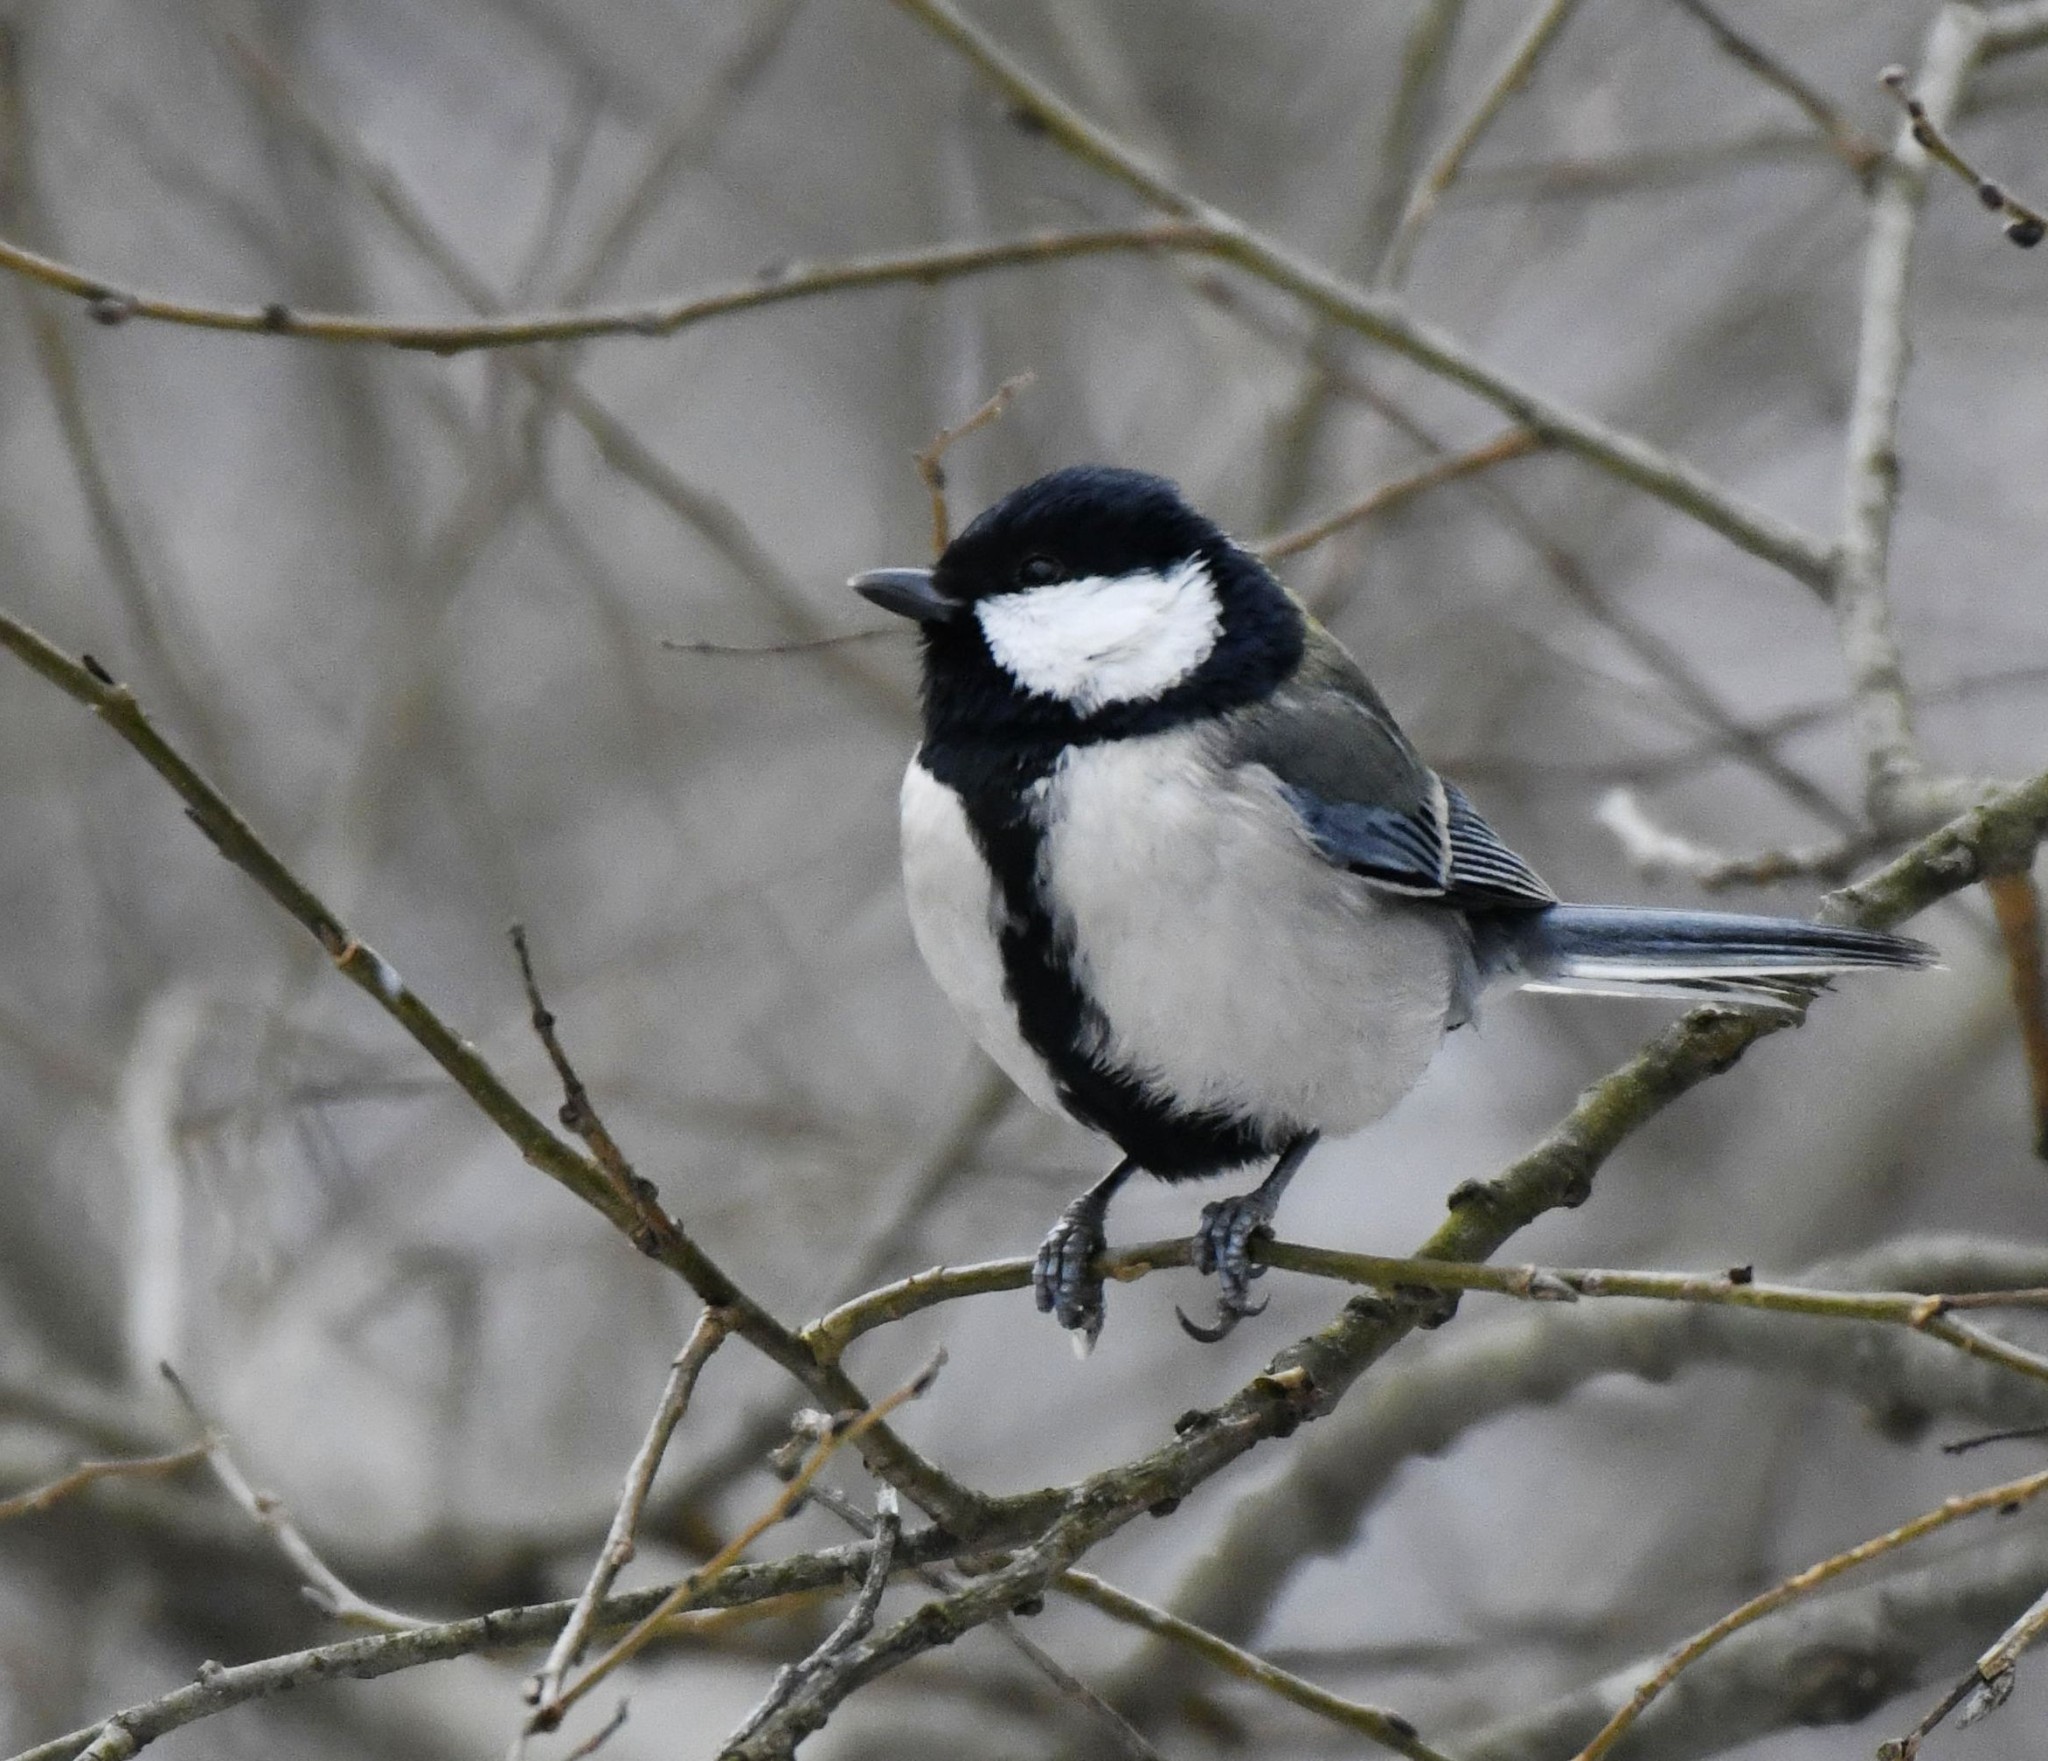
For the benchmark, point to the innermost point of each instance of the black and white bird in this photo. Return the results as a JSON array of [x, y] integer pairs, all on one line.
[[1173, 860]]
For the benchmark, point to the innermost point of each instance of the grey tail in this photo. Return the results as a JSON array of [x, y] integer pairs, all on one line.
[[1695, 956]]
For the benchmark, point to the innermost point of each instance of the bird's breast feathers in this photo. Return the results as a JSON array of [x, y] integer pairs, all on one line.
[[1229, 966]]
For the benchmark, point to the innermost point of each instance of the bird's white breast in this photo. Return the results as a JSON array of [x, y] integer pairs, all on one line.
[[956, 915], [1235, 967], [1231, 965]]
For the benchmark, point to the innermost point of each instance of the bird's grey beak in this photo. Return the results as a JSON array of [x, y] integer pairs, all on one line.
[[909, 593]]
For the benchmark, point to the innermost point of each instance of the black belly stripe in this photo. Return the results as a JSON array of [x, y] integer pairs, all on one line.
[[1055, 1015]]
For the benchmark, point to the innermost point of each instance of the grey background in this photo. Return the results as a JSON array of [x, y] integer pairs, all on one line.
[[409, 616]]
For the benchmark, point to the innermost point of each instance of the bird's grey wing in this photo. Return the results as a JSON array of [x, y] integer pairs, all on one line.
[[1484, 871], [1366, 799]]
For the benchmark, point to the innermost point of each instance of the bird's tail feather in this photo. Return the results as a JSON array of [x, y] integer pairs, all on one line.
[[1694, 956]]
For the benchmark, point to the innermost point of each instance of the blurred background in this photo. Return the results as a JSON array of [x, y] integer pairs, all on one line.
[[410, 612]]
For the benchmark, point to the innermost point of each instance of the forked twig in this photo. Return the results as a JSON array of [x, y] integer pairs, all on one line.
[[545, 1688], [1986, 1687], [1070, 1687], [854, 1625], [931, 466], [654, 1228], [2025, 226], [842, 1430], [322, 1586]]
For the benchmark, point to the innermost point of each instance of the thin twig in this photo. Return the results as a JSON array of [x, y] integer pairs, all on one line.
[[86, 1473], [109, 303], [741, 1588], [2025, 226], [1986, 1687], [841, 1432], [687, 134], [1928, 1314], [854, 1625], [931, 460], [654, 1230], [810, 645], [2006, 1497], [543, 1691], [1514, 444], [1570, 577], [1388, 1729], [1656, 851], [2018, 1434], [1896, 787], [321, 1585], [602, 1735], [1063, 1681], [1517, 67], [2016, 903], [1855, 148], [707, 515], [115, 704], [1379, 317]]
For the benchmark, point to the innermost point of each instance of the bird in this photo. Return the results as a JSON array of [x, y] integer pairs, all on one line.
[[1175, 864]]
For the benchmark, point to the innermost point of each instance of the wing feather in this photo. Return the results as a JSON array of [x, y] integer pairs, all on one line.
[[1367, 801]]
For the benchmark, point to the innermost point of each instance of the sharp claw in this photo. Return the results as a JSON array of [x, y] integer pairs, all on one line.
[[1231, 1308], [1225, 1320]]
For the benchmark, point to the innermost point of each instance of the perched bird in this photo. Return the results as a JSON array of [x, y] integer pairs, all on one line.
[[1173, 860]]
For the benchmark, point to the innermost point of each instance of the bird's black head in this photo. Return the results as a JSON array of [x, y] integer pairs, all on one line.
[[1088, 605]]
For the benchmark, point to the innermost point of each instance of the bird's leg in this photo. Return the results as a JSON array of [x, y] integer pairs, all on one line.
[[1224, 1237], [1063, 1277]]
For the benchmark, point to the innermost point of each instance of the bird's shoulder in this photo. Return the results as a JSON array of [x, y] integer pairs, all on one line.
[[1364, 795]]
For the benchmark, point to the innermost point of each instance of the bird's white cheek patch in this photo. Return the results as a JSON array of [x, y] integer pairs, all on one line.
[[1105, 638]]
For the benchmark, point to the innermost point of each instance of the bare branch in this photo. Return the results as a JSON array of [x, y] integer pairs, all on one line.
[[108, 303], [1824, 1662], [1070, 1687], [370, 972], [1987, 1686], [2009, 1496], [854, 1625], [1514, 444], [323, 1587], [811, 645], [931, 465], [1469, 1378], [218, 1689], [1856, 149], [1382, 319], [87, 1473], [544, 1690], [838, 1432], [1924, 1312], [1517, 68], [1388, 1729], [654, 1229], [2016, 903], [1895, 774], [2023, 225], [1657, 851]]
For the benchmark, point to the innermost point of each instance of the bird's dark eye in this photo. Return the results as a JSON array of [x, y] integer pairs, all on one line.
[[1038, 571]]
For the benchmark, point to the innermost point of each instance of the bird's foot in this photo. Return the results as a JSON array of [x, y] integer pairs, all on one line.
[[1063, 1276], [1223, 1246]]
